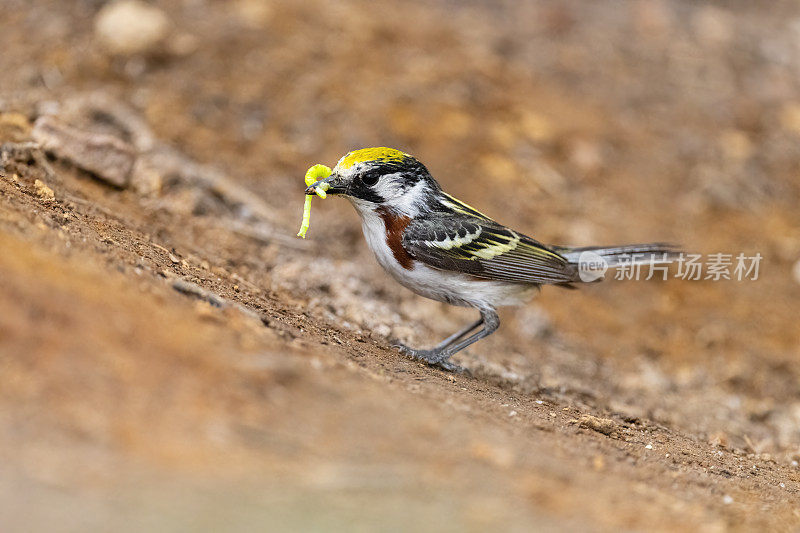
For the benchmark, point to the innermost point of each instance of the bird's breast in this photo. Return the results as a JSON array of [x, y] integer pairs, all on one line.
[[394, 225]]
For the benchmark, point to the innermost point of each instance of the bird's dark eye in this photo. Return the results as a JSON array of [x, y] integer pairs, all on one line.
[[369, 179]]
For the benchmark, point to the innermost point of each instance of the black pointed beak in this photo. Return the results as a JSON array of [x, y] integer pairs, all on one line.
[[335, 185]]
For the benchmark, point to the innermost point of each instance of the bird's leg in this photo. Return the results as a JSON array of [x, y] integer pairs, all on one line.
[[439, 355], [455, 336], [491, 321], [425, 355]]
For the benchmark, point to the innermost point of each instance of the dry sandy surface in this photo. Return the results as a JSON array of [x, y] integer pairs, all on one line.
[[173, 359]]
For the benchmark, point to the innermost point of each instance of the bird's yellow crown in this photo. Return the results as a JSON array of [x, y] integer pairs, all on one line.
[[363, 155]]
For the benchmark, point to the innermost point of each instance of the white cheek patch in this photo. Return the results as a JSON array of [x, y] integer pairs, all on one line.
[[389, 186], [411, 201]]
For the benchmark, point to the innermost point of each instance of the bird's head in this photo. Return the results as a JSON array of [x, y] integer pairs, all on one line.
[[372, 178]]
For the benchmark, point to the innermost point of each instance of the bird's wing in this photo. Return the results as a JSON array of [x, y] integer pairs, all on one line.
[[479, 246]]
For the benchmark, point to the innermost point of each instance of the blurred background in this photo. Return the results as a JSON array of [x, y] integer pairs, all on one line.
[[576, 122]]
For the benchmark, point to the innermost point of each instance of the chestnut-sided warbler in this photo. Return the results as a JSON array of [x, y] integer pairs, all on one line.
[[443, 249]]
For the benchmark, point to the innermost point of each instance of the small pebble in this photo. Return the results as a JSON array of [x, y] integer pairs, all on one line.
[[605, 426], [43, 191], [727, 500], [512, 413], [648, 447], [129, 27]]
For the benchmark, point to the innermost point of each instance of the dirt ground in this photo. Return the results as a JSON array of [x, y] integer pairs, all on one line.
[[172, 358]]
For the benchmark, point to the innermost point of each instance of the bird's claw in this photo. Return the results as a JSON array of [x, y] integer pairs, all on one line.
[[438, 358]]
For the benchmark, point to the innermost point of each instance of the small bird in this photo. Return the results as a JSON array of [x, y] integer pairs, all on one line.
[[443, 249]]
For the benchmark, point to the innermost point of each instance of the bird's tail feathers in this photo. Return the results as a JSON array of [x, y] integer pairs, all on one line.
[[650, 253]]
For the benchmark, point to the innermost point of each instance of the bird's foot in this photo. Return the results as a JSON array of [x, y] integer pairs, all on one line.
[[434, 357]]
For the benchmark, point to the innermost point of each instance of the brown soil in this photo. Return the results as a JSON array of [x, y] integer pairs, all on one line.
[[171, 358]]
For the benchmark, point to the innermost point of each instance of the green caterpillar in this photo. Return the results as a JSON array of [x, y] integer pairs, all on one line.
[[313, 175]]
